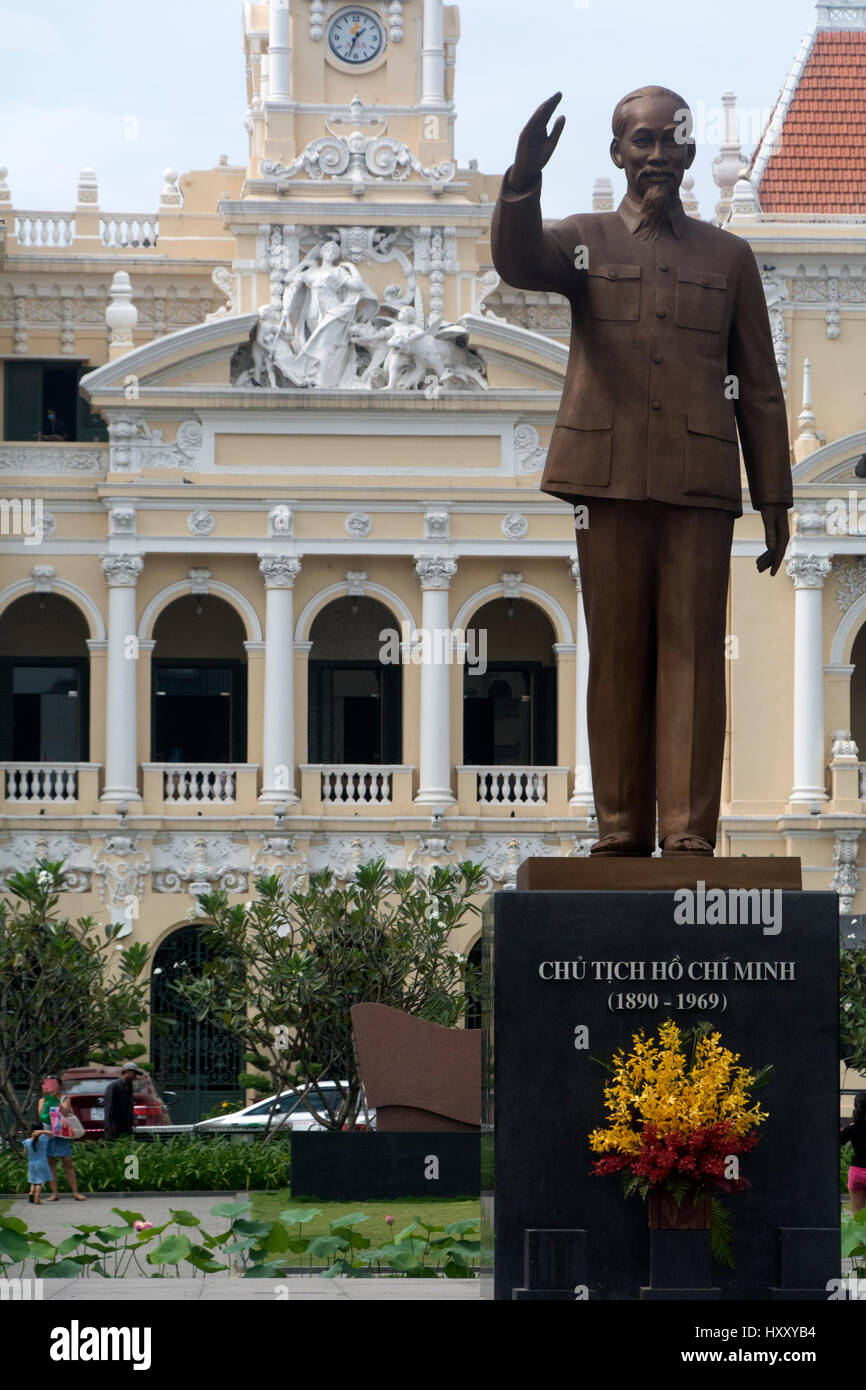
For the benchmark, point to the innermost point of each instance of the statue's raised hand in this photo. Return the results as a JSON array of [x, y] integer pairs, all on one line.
[[535, 145]]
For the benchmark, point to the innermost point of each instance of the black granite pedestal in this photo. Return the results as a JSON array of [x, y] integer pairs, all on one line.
[[571, 976]]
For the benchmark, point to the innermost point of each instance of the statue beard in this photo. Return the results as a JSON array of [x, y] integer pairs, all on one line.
[[658, 201]]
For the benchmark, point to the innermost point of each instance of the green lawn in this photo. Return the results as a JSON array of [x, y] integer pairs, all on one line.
[[268, 1205]]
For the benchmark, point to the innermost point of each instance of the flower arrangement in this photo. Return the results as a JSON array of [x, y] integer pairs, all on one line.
[[680, 1115]]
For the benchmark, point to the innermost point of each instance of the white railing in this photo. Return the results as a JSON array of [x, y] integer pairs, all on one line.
[[44, 228], [117, 230], [199, 783], [54, 782], [357, 785], [129, 229], [511, 786]]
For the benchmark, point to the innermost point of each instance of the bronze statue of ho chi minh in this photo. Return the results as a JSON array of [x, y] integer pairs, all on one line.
[[671, 353]]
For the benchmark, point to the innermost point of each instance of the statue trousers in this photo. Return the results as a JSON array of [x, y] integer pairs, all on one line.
[[655, 585]]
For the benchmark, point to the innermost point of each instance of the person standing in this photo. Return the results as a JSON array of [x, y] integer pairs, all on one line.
[[38, 1171], [855, 1134], [52, 1098], [119, 1113]]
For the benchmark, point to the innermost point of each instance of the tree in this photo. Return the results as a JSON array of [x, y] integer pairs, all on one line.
[[288, 968], [852, 991], [67, 997]]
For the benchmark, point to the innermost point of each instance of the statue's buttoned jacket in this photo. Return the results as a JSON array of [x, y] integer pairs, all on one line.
[[671, 353]]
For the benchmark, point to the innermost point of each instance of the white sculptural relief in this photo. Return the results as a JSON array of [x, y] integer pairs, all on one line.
[[330, 331]]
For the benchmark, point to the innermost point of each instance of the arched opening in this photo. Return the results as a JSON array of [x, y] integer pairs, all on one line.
[[355, 705], [44, 686], [509, 701], [858, 691], [199, 705], [196, 1060]]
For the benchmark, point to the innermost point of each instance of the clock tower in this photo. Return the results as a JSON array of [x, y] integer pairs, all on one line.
[[350, 120]]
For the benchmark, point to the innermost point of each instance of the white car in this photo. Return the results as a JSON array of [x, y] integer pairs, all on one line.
[[291, 1114]]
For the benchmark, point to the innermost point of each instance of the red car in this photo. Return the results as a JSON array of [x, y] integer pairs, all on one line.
[[85, 1087]]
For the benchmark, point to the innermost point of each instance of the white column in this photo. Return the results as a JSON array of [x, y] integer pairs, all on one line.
[[278, 756], [435, 574], [808, 573], [433, 55], [121, 761], [279, 55], [582, 768]]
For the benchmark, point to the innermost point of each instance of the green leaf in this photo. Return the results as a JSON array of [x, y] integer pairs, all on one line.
[[170, 1251], [114, 1233], [457, 1228], [353, 1219], [128, 1216], [264, 1271], [206, 1265], [41, 1250], [184, 1218], [721, 1234], [406, 1231], [68, 1244], [62, 1269], [15, 1246], [13, 1223], [404, 1261], [253, 1228], [277, 1239], [322, 1247], [231, 1209], [298, 1216]]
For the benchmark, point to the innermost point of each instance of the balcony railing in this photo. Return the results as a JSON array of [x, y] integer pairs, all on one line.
[[199, 783], [357, 785], [40, 230], [57, 783]]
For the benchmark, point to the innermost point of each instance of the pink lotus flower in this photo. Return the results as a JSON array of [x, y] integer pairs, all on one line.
[[142, 1225], [389, 1220]]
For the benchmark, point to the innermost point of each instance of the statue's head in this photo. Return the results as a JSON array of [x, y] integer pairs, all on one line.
[[330, 252], [653, 142], [406, 314]]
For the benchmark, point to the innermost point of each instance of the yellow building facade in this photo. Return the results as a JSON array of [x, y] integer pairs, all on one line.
[[279, 590]]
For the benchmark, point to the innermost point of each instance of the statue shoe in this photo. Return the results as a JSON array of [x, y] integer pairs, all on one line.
[[687, 843], [622, 845]]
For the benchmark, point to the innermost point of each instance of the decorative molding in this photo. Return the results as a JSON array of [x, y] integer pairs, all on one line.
[[777, 296], [358, 525], [199, 864], [281, 521], [43, 578], [44, 459], [512, 584], [120, 868], [280, 857], [529, 456], [200, 522], [435, 571], [356, 583], [122, 571], [514, 526], [20, 850], [121, 519], [279, 571], [358, 160], [136, 447], [808, 571], [850, 574], [811, 513], [199, 580], [846, 880], [437, 524]]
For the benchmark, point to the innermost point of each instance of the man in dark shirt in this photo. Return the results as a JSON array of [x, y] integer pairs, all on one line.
[[119, 1115]]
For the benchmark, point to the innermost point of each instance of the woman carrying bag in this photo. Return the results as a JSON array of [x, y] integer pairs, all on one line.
[[56, 1114]]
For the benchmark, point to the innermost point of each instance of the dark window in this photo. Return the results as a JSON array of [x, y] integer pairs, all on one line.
[[43, 711], [199, 712], [355, 713], [41, 400], [509, 716]]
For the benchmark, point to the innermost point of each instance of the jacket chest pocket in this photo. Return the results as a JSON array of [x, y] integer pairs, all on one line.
[[701, 296], [614, 292]]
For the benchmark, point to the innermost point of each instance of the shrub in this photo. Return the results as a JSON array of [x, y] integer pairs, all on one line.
[[176, 1164]]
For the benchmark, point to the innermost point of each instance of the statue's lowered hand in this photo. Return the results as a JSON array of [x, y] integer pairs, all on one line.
[[777, 534], [535, 146]]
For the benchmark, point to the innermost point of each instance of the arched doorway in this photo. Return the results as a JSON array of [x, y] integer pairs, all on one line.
[[355, 705], [858, 691], [196, 1060], [199, 683], [44, 695], [509, 709]]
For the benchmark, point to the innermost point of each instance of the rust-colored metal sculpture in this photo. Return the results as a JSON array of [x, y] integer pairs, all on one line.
[[418, 1076]]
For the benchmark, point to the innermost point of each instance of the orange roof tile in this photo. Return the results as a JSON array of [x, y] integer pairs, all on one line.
[[818, 162]]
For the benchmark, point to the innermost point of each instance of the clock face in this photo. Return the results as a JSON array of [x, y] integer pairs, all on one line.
[[356, 36]]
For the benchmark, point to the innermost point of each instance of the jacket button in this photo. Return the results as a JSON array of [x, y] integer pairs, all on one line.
[[705, 279], [614, 274], [656, 405], [661, 313], [663, 265], [657, 357]]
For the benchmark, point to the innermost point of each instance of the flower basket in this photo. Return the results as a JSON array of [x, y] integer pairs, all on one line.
[[693, 1213]]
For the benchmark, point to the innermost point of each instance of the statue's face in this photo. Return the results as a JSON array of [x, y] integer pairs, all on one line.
[[330, 253], [652, 148]]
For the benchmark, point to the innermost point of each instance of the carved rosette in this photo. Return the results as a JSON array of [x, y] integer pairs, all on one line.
[[279, 571], [514, 526], [122, 571], [435, 571], [808, 571]]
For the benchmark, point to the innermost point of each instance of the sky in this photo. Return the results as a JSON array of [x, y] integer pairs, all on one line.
[[131, 89]]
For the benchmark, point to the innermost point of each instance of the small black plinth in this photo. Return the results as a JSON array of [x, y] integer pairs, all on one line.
[[369, 1166]]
